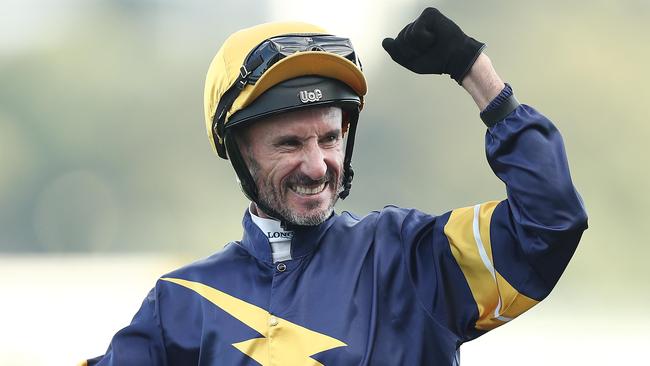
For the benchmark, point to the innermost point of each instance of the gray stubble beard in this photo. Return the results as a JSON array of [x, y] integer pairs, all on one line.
[[269, 197]]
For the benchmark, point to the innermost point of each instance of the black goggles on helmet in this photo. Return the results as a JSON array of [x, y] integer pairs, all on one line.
[[268, 53], [275, 49]]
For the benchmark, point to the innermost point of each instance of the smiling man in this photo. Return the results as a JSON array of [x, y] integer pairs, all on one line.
[[306, 286], [296, 161]]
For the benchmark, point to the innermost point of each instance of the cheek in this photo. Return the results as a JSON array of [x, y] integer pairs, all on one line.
[[281, 170], [335, 161]]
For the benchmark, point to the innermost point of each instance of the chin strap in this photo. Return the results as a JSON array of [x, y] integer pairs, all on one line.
[[348, 172], [245, 179]]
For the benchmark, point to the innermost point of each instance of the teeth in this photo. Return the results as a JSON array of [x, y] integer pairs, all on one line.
[[307, 190]]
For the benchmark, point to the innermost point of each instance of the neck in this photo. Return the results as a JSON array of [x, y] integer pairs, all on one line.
[[259, 213]]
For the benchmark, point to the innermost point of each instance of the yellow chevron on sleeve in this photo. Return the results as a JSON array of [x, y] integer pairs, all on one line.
[[514, 302], [463, 247], [468, 233]]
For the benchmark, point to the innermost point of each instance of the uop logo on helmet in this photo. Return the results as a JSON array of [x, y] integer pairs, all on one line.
[[310, 96]]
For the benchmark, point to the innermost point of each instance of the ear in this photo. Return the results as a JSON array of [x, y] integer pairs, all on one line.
[[345, 123]]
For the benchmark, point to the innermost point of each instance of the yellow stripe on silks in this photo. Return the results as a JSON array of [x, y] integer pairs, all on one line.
[[468, 232], [285, 342], [83, 363], [460, 233], [513, 303]]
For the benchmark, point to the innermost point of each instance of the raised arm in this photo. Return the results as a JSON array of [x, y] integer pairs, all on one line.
[[478, 267]]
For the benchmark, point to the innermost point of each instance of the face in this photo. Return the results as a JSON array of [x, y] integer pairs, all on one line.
[[296, 160]]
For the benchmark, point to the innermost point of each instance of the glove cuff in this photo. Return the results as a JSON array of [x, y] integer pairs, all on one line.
[[462, 60]]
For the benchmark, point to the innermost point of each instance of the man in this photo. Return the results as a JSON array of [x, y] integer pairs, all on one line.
[[306, 286]]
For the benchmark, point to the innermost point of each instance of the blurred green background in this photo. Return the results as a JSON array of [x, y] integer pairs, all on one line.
[[103, 150]]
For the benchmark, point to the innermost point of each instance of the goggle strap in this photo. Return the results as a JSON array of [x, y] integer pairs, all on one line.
[[228, 99], [224, 105]]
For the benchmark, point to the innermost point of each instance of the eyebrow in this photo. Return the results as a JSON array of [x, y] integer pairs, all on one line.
[[334, 131], [284, 138]]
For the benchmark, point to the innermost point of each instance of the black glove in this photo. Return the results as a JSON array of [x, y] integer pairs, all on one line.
[[434, 44]]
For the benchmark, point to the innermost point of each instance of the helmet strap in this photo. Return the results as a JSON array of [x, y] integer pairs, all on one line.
[[246, 181], [348, 172]]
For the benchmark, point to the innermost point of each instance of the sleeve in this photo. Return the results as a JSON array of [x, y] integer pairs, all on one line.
[[140, 343], [495, 260]]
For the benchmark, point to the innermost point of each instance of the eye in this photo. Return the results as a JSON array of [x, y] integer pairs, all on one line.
[[288, 143], [330, 139]]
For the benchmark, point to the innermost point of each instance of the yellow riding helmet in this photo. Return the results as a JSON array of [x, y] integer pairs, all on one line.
[[274, 68], [255, 59]]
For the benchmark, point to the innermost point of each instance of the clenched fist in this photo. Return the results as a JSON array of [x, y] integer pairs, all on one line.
[[434, 44]]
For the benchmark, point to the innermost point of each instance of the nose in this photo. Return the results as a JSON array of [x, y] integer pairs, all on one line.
[[313, 164]]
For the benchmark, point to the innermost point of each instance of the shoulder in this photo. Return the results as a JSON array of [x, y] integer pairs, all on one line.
[[225, 260], [390, 217]]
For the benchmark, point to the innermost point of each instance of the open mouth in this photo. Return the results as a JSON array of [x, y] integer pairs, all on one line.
[[304, 190]]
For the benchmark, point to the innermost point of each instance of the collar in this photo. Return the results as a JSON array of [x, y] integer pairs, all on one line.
[[305, 238], [271, 227]]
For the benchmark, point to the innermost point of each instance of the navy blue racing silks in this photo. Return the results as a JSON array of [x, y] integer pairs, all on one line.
[[396, 287]]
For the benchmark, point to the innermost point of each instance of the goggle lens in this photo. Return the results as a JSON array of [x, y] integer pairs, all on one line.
[[275, 49]]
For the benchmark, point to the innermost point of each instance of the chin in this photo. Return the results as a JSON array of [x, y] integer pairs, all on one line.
[[298, 209], [312, 218], [311, 214]]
